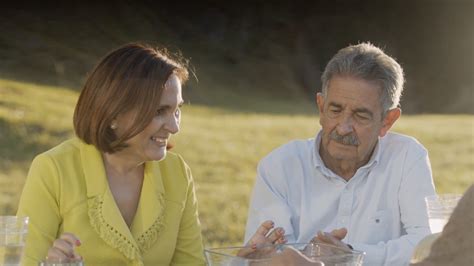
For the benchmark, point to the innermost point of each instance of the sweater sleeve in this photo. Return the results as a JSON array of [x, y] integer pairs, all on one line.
[[189, 248], [39, 201]]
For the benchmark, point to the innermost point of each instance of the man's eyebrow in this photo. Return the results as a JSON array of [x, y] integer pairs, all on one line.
[[363, 110], [335, 105]]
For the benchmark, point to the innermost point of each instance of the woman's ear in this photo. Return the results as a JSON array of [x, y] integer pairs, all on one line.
[[114, 125]]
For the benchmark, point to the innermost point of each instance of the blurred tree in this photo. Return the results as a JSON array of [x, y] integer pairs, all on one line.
[[278, 47]]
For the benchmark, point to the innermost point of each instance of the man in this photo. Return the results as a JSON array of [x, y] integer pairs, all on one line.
[[355, 179]]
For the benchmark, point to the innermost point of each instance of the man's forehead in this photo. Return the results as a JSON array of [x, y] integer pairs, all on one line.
[[349, 90]]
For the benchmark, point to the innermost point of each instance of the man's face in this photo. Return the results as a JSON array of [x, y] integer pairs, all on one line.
[[351, 120]]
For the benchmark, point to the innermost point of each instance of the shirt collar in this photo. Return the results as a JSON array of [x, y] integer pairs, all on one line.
[[318, 161], [95, 176]]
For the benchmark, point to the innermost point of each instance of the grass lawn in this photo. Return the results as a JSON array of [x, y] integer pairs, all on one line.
[[222, 146]]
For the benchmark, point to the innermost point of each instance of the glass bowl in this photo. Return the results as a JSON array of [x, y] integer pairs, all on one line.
[[302, 254]]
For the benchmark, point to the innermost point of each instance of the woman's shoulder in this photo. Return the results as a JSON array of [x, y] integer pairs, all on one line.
[[64, 157], [173, 161], [174, 167], [174, 176], [65, 151], [68, 146]]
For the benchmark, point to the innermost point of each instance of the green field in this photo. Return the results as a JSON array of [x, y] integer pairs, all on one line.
[[222, 146]]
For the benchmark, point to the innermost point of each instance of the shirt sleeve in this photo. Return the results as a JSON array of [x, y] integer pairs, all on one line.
[[417, 182], [189, 248], [39, 201], [268, 202]]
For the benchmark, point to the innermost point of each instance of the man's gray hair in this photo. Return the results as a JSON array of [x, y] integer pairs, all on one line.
[[370, 63]]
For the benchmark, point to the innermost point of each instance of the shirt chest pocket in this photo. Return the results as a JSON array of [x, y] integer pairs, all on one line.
[[378, 225]]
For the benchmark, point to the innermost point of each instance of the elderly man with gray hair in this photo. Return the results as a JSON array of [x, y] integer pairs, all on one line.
[[355, 184]]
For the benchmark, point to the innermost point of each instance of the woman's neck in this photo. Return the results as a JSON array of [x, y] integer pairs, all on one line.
[[117, 164]]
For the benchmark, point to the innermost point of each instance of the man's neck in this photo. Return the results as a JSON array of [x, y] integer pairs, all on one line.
[[343, 168]]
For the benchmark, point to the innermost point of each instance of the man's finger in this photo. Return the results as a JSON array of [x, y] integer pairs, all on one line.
[[339, 233], [275, 235], [322, 238], [244, 252], [282, 240], [258, 238], [330, 239], [264, 228]]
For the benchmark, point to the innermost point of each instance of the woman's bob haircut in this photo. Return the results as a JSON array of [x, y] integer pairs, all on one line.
[[130, 78]]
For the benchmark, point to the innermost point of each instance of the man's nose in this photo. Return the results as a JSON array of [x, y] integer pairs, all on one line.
[[345, 125]]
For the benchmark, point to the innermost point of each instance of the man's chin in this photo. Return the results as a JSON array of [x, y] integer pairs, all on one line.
[[336, 146], [347, 153]]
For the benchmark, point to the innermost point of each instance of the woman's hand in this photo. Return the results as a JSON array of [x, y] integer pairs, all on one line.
[[263, 236], [63, 248]]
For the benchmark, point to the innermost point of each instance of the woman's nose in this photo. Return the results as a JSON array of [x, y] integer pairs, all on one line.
[[172, 125]]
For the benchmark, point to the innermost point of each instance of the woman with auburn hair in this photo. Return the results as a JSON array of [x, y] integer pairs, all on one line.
[[113, 195]]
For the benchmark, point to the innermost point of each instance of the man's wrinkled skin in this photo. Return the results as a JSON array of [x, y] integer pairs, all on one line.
[[266, 234]]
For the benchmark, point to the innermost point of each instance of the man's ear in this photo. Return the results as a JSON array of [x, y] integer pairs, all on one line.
[[390, 118], [320, 102]]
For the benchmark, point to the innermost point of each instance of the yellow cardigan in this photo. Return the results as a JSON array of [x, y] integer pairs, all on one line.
[[67, 191]]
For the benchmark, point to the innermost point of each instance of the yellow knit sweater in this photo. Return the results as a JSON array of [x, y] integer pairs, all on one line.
[[67, 191]]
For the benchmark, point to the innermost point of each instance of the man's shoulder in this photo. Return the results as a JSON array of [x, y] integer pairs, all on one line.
[[294, 149], [397, 142]]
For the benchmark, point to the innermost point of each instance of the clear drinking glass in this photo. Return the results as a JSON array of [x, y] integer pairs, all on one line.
[[439, 209], [70, 262], [13, 231]]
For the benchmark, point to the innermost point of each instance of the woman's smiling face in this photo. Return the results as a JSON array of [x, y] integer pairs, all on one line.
[[150, 144]]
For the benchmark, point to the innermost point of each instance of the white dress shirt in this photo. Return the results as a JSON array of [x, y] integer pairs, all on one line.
[[382, 205]]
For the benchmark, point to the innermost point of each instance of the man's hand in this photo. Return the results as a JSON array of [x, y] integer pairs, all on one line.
[[263, 236], [334, 238], [292, 257]]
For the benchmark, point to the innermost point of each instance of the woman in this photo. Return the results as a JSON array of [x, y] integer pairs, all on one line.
[[113, 195]]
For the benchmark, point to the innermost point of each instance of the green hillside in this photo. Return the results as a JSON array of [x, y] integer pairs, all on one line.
[[243, 54], [221, 146], [58, 46]]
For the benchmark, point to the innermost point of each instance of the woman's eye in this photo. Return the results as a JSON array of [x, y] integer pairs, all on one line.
[[160, 111], [177, 113]]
